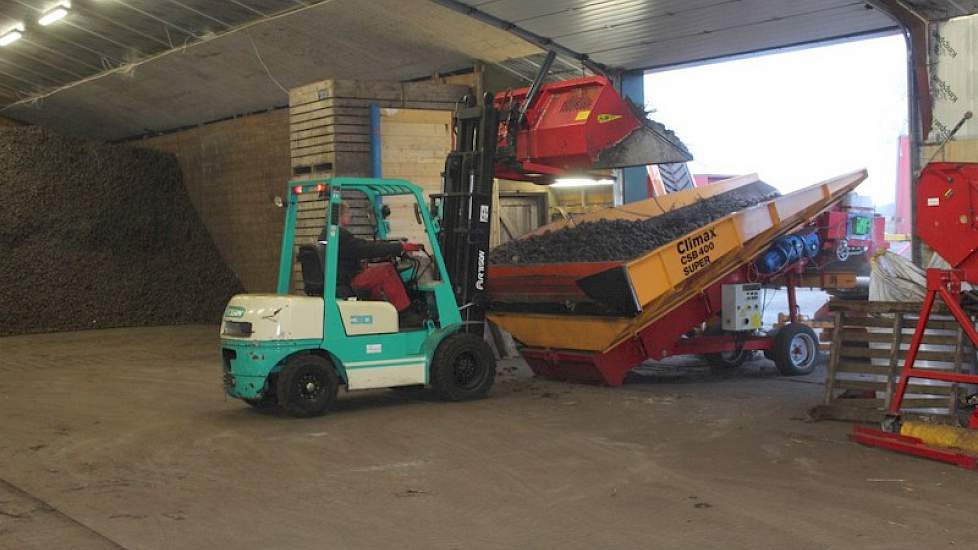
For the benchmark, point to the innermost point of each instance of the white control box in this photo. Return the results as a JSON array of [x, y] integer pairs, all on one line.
[[741, 306]]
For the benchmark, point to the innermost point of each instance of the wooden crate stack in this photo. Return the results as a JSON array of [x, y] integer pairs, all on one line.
[[329, 125], [329, 120], [869, 344]]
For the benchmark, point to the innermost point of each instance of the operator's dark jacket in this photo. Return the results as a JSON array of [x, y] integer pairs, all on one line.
[[354, 250]]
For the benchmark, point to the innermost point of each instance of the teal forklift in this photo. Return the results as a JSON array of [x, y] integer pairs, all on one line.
[[294, 351]]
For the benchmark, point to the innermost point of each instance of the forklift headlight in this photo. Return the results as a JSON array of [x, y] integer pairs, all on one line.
[[237, 328]]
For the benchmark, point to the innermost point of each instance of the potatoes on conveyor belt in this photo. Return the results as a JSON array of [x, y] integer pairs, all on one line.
[[619, 240]]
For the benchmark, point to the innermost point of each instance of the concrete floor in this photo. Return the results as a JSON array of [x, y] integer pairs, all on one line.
[[122, 438]]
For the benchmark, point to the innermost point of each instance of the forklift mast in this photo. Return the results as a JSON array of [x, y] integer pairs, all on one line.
[[466, 200], [466, 207]]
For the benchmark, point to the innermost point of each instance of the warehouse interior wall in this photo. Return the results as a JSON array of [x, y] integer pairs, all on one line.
[[232, 170], [559, 203], [414, 144]]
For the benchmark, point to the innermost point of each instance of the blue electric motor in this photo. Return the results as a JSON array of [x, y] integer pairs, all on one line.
[[788, 250]]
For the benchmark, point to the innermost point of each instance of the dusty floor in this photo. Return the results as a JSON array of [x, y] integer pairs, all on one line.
[[122, 438]]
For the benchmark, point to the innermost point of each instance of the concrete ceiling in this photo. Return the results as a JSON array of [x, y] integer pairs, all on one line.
[[241, 70], [647, 34], [114, 69], [936, 10], [642, 34], [102, 34]]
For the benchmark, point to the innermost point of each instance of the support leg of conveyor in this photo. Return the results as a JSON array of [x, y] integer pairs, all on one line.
[[790, 280]]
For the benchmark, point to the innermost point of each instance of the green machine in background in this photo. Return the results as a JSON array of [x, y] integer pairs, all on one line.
[[295, 351]]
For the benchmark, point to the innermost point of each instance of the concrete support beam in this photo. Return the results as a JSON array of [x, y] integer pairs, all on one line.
[[634, 186]]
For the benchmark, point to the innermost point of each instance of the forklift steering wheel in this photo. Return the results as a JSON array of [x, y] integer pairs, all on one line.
[[409, 264]]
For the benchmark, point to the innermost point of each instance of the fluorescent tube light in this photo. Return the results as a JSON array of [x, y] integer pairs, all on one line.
[[53, 15], [581, 182], [10, 38]]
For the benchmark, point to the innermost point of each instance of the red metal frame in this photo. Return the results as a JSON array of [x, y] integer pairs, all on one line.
[[945, 283], [664, 337], [834, 225], [912, 446], [946, 221], [543, 282]]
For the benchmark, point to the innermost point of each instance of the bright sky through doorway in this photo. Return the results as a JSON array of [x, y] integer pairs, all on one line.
[[795, 117]]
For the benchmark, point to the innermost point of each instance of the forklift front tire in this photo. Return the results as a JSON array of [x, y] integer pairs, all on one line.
[[463, 368], [307, 386]]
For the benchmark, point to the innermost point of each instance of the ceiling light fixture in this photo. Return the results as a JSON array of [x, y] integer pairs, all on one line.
[[11, 36], [55, 14], [581, 182]]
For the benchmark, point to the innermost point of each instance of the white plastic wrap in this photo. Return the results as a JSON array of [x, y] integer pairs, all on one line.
[[895, 279]]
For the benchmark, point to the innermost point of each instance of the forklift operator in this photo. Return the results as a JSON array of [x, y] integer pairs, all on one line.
[[381, 281]]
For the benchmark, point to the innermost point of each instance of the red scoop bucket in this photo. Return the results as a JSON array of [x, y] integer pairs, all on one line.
[[583, 124]]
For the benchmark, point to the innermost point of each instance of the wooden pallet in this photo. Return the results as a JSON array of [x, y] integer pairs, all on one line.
[[869, 343], [329, 120]]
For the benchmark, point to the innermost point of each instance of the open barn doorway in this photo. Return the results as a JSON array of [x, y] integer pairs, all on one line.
[[794, 116]]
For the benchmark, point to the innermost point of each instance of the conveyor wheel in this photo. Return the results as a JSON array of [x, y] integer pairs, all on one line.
[[795, 349]]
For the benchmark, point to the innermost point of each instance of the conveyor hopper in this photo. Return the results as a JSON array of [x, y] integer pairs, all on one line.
[[595, 321]]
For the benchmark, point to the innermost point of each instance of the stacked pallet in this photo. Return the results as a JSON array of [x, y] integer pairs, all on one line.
[[329, 132], [329, 120], [869, 345]]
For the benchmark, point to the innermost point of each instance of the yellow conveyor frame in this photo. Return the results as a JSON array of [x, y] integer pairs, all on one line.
[[668, 276]]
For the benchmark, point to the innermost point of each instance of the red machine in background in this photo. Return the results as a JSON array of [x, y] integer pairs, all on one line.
[[947, 221], [851, 233]]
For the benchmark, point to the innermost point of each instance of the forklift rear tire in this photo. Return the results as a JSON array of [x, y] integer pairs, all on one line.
[[307, 386], [795, 350], [463, 368]]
